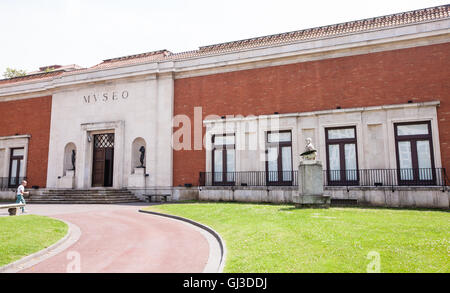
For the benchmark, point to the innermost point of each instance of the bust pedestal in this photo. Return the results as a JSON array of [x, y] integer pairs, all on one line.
[[137, 179], [310, 186], [68, 180]]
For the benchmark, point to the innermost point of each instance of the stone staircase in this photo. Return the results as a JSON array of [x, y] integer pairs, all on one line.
[[83, 196]]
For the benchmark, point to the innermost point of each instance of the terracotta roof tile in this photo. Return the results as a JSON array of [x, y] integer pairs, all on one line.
[[132, 59], [398, 19], [31, 77], [392, 20]]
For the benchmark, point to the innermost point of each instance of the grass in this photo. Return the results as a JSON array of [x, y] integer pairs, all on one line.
[[278, 238], [23, 235]]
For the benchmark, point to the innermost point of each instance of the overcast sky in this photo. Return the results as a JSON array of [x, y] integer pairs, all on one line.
[[35, 33]]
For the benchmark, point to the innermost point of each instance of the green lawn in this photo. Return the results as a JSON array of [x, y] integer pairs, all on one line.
[[24, 235], [278, 238]]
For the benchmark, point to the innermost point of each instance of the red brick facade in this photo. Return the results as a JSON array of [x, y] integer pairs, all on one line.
[[392, 77], [30, 116]]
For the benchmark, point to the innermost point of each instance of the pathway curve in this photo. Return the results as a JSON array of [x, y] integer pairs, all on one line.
[[119, 239]]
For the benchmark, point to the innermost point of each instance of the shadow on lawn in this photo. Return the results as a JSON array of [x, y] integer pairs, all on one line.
[[287, 207]]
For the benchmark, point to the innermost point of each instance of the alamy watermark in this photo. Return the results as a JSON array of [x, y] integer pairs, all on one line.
[[74, 264], [374, 265], [249, 131]]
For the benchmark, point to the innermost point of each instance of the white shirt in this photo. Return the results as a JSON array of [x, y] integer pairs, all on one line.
[[20, 189]]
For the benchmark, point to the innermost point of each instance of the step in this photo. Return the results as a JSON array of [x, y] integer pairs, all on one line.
[[87, 190], [75, 198], [86, 200], [82, 202], [83, 199], [83, 194], [79, 192], [80, 197]]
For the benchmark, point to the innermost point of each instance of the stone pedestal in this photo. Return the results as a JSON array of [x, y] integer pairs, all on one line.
[[68, 181], [310, 185], [137, 179]]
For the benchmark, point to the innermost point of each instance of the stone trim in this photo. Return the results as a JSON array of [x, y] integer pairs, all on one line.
[[327, 112]]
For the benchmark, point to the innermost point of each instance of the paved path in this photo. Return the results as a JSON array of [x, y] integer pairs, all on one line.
[[117, 238]]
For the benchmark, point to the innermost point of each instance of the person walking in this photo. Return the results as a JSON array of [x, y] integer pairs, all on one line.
[[20, 194]]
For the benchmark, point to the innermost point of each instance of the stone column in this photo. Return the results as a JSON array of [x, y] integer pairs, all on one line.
[[310, 185]]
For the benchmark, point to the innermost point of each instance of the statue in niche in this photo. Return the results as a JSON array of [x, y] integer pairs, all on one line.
[[310, 152], [141, 158], [73, 158]]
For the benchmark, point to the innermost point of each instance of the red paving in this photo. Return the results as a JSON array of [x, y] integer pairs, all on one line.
[[126, 241]]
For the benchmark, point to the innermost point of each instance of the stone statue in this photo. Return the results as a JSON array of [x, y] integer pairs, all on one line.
[[310, 151], [74, 157], [141, 158]]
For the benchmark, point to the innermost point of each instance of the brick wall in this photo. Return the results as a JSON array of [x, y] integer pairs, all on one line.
[[30, 116], [392, 77]]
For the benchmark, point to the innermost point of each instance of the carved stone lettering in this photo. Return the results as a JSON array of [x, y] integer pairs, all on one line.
[[105, 97]]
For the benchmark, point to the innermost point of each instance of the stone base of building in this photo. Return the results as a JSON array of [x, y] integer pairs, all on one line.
[[401, 197], [263, 194], [313, 206], [176, 193], [311, 201]]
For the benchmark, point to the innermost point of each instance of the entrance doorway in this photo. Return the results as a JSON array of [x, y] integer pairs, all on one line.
[[103, 160]]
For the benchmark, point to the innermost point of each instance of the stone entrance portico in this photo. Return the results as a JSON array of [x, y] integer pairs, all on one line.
[[141, 117]]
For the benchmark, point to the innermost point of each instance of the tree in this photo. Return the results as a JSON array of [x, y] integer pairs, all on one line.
[[11, 72]]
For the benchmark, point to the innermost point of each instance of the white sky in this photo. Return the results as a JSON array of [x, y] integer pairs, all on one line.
[[35, 33]]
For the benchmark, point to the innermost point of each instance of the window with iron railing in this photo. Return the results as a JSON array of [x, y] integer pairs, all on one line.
[[342, 158], [15, 166], [279, 158], [366, 177], [414, 153], [223, 159]]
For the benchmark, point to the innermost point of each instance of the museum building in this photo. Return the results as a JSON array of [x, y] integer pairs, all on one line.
[[228, 121]]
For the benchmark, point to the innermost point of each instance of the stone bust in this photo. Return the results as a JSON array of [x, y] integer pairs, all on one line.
[[310, 152]]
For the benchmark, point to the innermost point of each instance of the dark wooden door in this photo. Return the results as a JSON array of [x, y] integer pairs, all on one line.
[[109, 160], [102, 168], [98, 170]]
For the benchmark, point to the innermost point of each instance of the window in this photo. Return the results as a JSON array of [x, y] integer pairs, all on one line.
[[342, 156], [15, 166], [279, 158], [415, 158], [223, 158]]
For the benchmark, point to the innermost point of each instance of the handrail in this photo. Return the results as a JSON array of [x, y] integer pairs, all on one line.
[[359, 177]]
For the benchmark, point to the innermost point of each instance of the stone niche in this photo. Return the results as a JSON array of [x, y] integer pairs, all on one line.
[[68, 178], [137, 177]]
